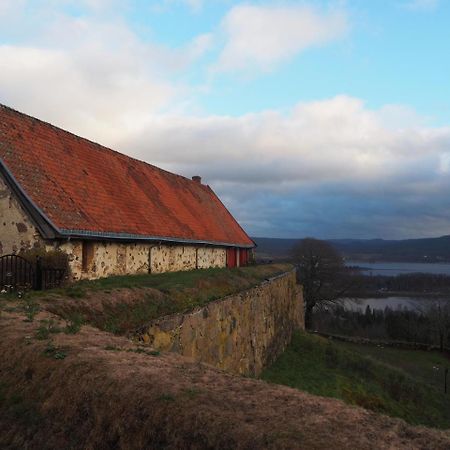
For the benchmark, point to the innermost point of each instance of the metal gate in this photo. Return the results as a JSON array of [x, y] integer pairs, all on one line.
[[19, 274], [16, 273]]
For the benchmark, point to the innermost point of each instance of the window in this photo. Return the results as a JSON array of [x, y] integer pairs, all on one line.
[[87, 256]]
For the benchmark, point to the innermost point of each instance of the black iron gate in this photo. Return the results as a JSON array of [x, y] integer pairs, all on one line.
[[17, 273]]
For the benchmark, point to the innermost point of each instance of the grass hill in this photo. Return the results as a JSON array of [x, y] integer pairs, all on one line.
[[92, 389], [397, 382], [73, 382]]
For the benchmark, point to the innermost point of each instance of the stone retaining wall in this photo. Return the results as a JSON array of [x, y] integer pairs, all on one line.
[[242, 333]]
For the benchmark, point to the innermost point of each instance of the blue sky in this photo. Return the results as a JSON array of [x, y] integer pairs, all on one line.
[[325, 118]]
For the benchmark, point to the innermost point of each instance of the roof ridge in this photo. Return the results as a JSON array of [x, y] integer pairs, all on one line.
[[101, 147]]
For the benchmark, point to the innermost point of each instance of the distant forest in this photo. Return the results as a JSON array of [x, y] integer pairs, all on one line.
[[408, 250]]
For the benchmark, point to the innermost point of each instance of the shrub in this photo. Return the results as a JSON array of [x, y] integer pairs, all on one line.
[[55, 259]]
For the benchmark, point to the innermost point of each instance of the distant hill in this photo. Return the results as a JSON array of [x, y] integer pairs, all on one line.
[[408, 250]]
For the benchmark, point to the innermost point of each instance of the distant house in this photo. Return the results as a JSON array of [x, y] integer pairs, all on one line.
[[110, 213]]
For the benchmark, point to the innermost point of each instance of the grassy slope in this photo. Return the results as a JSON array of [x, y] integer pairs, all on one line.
[[122, 304], [95, 390], [427, 367], [362, 377]]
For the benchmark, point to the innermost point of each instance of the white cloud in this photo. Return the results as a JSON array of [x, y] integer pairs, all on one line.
[[260, 37], [330, 168], [91, 76], [334, 140], [422, 5]]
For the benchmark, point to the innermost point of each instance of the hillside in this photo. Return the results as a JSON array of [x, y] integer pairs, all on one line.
[[408, 250], [397, 382], [91, 389]]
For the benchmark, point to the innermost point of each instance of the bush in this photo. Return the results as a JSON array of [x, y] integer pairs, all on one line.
[[54, 259]]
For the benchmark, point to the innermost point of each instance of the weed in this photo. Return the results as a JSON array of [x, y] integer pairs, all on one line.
[[112, 348], [75, 292], [166, 397], [192, 392], [54, 352], [46, 328], [74, 323], [31, 308]]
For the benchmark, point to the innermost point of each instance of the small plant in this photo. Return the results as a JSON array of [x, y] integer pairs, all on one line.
[[166, 397], [75, 292], [112, 348], [46, 328], [54, 352], [192, 392], [74, 323], [31, 308], [49, 258]]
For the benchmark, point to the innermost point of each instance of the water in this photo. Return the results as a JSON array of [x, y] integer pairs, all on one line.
[[412, 303], [397, 268], [392, 269]]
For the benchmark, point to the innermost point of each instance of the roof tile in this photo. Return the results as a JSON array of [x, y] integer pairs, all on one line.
[[80, 185]]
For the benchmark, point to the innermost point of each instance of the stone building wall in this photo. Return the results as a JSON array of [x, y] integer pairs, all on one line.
[[111, 258], [165, 258], [17, 232], [211, 257], [108, 258], [242, 333]]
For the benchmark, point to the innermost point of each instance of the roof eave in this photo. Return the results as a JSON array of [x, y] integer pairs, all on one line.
[[44, 225], [107, 235]]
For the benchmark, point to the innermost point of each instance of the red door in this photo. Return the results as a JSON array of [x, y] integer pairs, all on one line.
[[243, 257], [231, 257]]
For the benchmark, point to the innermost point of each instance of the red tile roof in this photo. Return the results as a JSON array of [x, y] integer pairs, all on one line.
[[84, 188]]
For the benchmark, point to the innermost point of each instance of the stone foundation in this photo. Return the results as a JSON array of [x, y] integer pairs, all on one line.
[[242, 333]]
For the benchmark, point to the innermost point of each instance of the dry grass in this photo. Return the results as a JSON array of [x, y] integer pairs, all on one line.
[[123, 304], [94, 390]]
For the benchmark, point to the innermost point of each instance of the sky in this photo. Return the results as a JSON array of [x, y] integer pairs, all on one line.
[[308, 118]]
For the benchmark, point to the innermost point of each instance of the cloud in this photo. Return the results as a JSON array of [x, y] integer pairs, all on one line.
[[194, 6], [92, 76], [422, 5], [332, 168], [329, 168], [261, 37]]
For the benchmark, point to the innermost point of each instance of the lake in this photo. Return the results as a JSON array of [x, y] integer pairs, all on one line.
[[413, 303], [397, 268], [392, 269]]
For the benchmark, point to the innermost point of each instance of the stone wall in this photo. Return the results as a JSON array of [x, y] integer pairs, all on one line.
[[108, 258], [242, 333], [165, 258], [16, 231], [211, 257]]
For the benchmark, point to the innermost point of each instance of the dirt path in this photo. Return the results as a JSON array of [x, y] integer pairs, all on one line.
[[92, 390]]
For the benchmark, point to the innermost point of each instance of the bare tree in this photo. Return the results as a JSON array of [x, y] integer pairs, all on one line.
[[438, 313], [322, 272]]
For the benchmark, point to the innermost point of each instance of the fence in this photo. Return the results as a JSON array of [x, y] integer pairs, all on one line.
[[17, 273]]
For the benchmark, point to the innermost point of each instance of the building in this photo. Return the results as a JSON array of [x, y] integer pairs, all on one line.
[[110, 213]]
